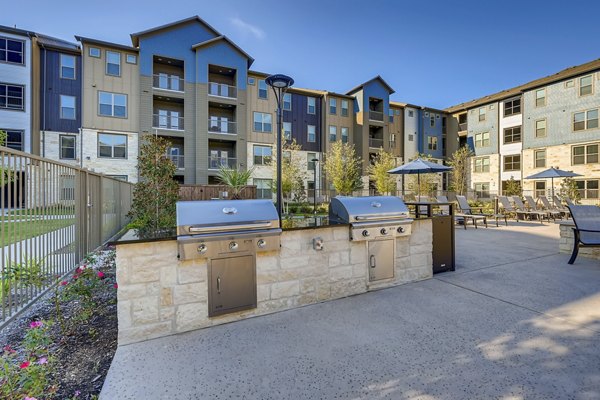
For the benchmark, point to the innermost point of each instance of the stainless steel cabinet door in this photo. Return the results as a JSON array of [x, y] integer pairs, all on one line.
[[232, 284], [381, 259]]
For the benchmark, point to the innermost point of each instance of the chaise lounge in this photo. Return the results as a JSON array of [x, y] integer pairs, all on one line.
[[587, 228]]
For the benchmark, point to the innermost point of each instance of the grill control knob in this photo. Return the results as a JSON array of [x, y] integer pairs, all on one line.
[[400, 229], [261, 244], [383, 231], [202, 248], [365, 233], [233, 246]]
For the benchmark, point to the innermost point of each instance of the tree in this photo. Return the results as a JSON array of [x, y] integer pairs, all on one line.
[[569, 188], [235, 179], [428, 181], [385, 183], [343, 167], [459, 161], [6, 175], [155, 195], [513, 188], [293, 173]]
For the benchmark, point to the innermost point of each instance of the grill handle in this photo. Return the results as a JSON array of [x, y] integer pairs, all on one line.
[[223, 228], [372, 261], [377, 217]]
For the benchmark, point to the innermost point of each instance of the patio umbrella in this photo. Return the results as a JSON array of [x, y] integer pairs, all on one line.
[[552, 173], [419, 166]]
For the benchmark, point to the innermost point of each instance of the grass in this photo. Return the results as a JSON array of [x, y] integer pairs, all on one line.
[[16, 231], [57, 210]]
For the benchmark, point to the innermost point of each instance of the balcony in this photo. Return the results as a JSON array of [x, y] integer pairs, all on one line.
[[375, 143], [168, 82], [222, 125], [170, 122], [222, 90], [375, 116], [215, 162], [462, 127], [177, 159]]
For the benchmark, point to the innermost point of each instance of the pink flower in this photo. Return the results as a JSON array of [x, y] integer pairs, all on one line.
[[24, 364], [42, 361], [29, 398], [8, 349], [64, 283], [77, 393], [116, 285], [36, 324], [100, 274]]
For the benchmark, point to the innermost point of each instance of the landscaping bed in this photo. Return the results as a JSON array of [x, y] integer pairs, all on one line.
[[62, 347]]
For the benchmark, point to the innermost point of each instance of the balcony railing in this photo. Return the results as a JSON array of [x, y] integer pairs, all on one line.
[[218, 162], [168, 82], [177, 159], [462, 127], [375, 142], [222, 90], [375, 116], [167, 122], [218, 125]]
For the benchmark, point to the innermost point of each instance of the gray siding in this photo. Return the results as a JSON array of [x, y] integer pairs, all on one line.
[[489, 125]]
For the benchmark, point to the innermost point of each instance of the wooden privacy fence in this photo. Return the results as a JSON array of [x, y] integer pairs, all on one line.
[[213, 192]]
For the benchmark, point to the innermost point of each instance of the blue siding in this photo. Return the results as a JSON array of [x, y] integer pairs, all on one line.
[[52, 86], [300, 119], [222, 54], [425, 130], [377, 90]]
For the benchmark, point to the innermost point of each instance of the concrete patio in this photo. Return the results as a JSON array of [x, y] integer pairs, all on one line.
[[513, 322]]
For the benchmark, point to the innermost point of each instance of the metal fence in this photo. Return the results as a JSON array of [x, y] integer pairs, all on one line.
[[51, 216]]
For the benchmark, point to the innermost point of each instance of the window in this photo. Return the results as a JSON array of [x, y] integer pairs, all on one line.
[[251, 81], [482, 114], [512, 163], [310, 164], [585, 120], [411, 113], [586, 154], [492, 106], [12, 51], [131, 59], [482, 164], [512, 107], [570, 83], [392, 140], [482, 189], [311, 133], [67, 187], [411, 137], [287, 101], [12, 97], [432, 121], [262, 155], [540, 97], [539, 158], [432, 142], [539, 188], [344, 108], [263, 188], [94, 52], [586, 85], [112, 145], [119, 177], [332, 133], [512, 135], [67, 147], [287, 130], [482, 139], [67, 66], [588, 189], [333, 106], [311, 105], [262, 122], [344, 135], [14, 139], [112, 104], [263, 93], [113, 63], [540, 128], [67, 107]]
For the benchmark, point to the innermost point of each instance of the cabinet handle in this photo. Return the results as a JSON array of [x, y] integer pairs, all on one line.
[[372, 261], [219, 285]]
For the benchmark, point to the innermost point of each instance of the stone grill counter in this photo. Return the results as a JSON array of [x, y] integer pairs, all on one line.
[[159, 295]]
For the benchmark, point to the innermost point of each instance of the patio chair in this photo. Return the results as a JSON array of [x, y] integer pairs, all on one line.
[[564, 212], [444, 210], [587, 228], [466, 213], [520, 207], [465, 208], [459, 217], [534, 207], [509, 210]]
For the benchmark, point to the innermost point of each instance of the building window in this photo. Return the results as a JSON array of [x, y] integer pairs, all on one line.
[[332, 133], [119, 177], [112, 145], [263, 93], [112, 104], [588, 189], [512, 107], [251, 81], [311, 133], [344, 135], [14, 139], [262, 155], [411, 137], [310, 164], [12, 51], [344, 108], [333, 106], [432, 142], [113, 63], [585, 120], [482, 139], [482, 164], [411, 113], [586, 85], [512, 135], [94, 52], [391, 116], [540, 97], [262, 122], [539, 158], [287, 130], [131, 59], [540, 188], [586, 154], [311, 105], [540, 128], [67, 107], [482, 114], [67, 66], [432, 121], [570, 83], [263, 188], [67, 147], [12, 97], [287, 101], [482, 189], [392, 140], [512, 163]]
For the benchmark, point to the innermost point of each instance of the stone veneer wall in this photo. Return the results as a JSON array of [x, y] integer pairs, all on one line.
[[159, 295], [567, 239]]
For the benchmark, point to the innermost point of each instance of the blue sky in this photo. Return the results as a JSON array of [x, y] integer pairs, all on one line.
[[432, 53]]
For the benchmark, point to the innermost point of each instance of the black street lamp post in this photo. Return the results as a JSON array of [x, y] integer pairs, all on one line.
[[280, 84], [315, 161]]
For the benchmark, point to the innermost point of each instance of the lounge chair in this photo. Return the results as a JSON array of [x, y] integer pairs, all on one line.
[[457, 216], [520, 207], [509, 210], [587, 228], [444, 210], [465, 208], [534, 207], [564, 212]]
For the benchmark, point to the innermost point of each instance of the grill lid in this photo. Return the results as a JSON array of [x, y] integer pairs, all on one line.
[[195, 217], [364, 209]]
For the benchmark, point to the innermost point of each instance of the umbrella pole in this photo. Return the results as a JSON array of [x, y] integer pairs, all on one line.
[[552, 179], [419, 184]]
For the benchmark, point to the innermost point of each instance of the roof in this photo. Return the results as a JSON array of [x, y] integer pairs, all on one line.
[[49, 41], [103, 43], [379, 78], [340, 95], [505, 94], [229, 41], [16, 31], [397, 104], [135, 37]]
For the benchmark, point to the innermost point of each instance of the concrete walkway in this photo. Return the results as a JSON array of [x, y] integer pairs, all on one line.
[[513, 322]]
